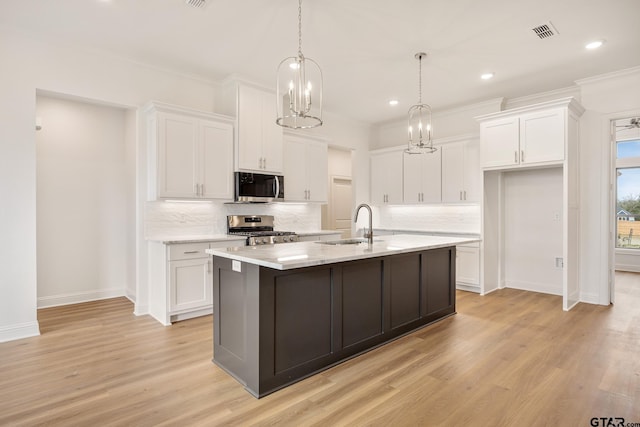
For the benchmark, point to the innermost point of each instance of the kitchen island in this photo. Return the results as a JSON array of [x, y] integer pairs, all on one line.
[[284, 312]]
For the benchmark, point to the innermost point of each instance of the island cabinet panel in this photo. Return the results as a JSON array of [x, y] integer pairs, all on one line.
[[437, 300], [362, 289], [275, 327], [404, 286], [301, 318]]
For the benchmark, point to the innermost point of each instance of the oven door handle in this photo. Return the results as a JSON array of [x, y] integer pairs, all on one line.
[[277, 190]]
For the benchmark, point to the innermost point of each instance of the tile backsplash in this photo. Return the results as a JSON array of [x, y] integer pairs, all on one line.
[[441, 218], [198, 218]]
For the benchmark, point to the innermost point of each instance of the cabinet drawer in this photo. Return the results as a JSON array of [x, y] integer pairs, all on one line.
[[188, 251]]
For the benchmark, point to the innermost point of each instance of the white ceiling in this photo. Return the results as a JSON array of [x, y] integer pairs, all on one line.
[[365, 47]]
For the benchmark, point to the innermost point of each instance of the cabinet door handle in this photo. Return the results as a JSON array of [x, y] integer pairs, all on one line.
[[209, 266], [465, 194], [190, 252], [461, 196], [522, 156]]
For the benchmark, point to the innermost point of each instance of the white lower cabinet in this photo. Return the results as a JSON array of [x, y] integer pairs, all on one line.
[[190, 283], [181, 281], [468, 267]]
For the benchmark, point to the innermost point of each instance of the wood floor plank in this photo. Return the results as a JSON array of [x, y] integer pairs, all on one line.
[[508, 358]]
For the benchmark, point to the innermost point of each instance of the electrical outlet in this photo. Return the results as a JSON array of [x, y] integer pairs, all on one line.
[[559, 262], [556, 216]]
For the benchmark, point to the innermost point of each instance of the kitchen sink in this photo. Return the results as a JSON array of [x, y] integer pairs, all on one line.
[[345, 242]]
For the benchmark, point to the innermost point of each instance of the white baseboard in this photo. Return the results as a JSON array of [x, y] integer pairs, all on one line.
[[19, 331], [78, 297], [140, 309], [534, 287], [628, 267], [589, 298], [468, 288]]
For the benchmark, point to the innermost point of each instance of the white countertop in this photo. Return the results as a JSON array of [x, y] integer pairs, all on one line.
[[317, 232], [192, 238], [431, 233], [287, 256]]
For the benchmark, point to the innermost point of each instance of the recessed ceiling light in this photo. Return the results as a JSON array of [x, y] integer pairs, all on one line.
[[594, 44], [486, 76], [393, 102]]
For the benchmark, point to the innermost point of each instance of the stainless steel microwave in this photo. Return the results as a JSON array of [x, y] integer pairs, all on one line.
[[259, 188]]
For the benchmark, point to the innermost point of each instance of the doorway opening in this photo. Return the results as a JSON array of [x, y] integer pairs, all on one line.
[[85, 200], [336, 214]]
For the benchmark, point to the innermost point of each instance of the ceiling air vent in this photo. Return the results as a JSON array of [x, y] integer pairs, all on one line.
[[545, 31], [196, 3]]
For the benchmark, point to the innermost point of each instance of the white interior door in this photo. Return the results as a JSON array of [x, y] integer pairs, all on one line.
[[340, 205]]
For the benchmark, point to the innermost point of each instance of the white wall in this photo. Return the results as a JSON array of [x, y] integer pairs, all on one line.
[[81, 203], [533, 235], [30, 64]]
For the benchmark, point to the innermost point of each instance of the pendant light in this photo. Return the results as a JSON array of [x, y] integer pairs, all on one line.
[[299, 88], [420, 131]]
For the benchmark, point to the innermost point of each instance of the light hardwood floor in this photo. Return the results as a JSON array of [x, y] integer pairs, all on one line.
[[511, 358]]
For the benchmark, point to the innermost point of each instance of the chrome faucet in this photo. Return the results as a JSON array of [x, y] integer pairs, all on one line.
[[368, 235]]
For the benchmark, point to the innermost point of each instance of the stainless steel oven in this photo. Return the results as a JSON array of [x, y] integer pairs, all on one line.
[[258, 229], [257, 187]]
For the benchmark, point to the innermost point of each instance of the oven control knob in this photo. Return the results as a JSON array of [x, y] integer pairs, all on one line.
[[285, 239]]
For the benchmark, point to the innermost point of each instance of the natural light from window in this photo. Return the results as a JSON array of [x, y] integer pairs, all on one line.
[[628, 194]]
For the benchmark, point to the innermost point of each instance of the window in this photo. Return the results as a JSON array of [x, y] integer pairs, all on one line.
[[628, 194]]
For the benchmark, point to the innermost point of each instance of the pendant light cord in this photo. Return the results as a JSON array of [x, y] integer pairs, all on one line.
[[299, 27], [420, 79]]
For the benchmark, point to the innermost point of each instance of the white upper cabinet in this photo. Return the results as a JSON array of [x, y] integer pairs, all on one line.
[[216, 159], [528, 136], [461, 172], [259, 139], [386, 177], [542, 137], [500, 142], [306, 169], [190, 154], [422, 176]]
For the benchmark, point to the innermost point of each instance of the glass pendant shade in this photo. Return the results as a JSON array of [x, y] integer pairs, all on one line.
[[299, 88], [299, 92], [419, 123]]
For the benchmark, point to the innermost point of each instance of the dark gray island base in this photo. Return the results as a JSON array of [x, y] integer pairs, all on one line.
[[275, 327]]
